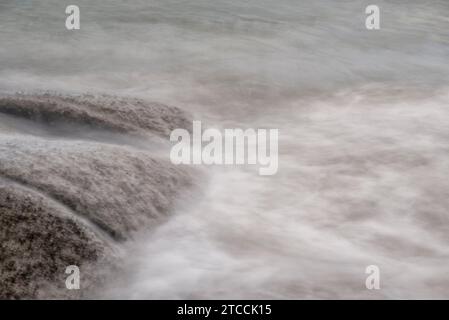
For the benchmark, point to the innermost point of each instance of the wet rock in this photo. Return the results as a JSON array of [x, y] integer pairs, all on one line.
[[74, 201]]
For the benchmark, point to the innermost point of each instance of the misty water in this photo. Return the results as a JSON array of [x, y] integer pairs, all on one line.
[[363, 125]]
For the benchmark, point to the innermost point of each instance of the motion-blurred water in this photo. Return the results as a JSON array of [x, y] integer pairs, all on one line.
[[364, 130]]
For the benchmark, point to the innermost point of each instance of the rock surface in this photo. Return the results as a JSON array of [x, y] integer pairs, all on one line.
[[70, 201], [127, 115]]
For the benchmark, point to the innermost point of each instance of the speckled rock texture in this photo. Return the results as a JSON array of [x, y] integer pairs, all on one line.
[[66, 200]]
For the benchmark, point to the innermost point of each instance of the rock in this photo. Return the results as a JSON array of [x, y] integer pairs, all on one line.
[[39, 238], [119, 114], [70, 201], [118, 189]]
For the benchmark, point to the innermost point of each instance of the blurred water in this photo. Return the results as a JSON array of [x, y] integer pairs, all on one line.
[[363, 123]]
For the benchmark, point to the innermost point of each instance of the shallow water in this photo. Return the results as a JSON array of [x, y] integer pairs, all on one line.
[[363, 123]]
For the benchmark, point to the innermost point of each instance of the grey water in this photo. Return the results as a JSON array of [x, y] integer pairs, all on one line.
[[363, 121]]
